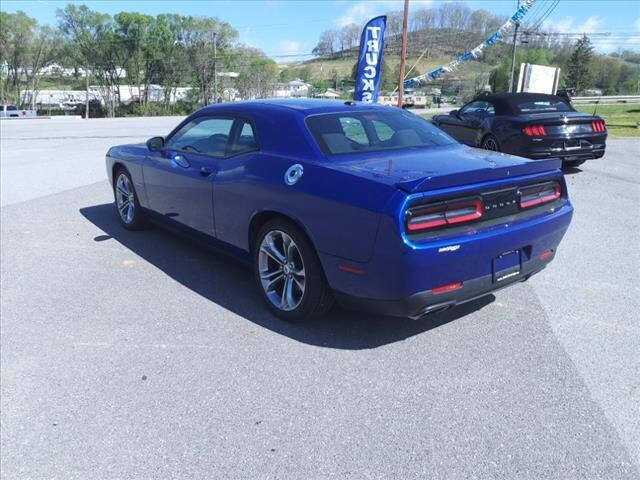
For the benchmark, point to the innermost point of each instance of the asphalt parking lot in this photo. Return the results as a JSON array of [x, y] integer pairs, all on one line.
[[139, 355]]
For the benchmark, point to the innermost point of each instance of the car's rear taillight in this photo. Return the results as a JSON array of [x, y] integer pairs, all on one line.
[[425, 217], [533, 195], [598, 126], [534, 131]]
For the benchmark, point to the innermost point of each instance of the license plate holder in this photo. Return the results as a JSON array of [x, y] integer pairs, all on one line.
[[572, 145], [507, 265]]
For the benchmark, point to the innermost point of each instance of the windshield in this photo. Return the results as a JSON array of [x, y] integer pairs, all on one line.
[[544, 106], [372, 131], [11, 107]]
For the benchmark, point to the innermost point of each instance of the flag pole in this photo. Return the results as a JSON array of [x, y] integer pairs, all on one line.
[[403, 55]]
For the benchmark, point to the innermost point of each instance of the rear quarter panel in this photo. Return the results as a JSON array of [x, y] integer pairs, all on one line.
[[340, 212]]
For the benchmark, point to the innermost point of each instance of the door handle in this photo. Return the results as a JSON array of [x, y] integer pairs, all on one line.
[[181, 161], [205, 171]]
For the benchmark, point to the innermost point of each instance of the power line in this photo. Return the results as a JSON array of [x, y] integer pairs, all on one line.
[[545, 15], [534, 13]]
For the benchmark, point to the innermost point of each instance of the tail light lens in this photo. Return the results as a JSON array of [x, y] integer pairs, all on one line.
[[598, 126], [425, 217], [533, 195], [534, 131]]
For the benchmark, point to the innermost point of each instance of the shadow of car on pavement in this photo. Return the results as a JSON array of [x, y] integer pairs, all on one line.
[[230, 284]]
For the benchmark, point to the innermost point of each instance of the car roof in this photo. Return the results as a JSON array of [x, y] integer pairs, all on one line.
[[508, 102], [306, 106]]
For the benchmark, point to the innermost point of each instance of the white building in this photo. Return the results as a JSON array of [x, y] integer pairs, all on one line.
[[293, 89]]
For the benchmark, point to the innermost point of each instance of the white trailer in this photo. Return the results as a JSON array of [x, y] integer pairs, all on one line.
[[11, 111]]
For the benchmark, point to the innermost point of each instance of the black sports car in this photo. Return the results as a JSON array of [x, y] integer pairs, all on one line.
[[531, 125]]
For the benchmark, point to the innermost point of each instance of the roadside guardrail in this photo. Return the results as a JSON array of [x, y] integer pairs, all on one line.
[[607, 99]]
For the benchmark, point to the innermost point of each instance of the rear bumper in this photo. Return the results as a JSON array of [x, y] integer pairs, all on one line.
[[567, 156], [555, 147], [423, 303]]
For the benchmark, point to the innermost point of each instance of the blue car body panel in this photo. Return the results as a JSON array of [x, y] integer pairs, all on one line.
[[351, 206]]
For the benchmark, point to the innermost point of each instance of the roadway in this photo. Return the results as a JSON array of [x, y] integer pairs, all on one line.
[[139, 355]]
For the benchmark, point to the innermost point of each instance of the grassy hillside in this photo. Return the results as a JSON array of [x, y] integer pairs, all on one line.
[[327, 68]]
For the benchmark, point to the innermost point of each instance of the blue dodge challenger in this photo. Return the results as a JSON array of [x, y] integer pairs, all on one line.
[[371, 206]]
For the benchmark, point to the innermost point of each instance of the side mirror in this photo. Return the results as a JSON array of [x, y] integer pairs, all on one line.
[[453, 113], [154, 144]]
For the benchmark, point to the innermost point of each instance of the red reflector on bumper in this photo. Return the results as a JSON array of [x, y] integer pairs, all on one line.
[[348, 269], [544, 255], [446, 288]]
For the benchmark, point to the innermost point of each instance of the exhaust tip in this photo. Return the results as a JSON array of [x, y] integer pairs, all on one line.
[[431, 309]]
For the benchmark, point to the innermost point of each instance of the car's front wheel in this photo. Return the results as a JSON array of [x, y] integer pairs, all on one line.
[[288, 272], [129, 211], [490, 143]]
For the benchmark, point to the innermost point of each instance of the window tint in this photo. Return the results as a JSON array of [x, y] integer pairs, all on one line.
[[371, 131], [204, 135], [354, 130], [246, 141], [383, 131], [544, 106]]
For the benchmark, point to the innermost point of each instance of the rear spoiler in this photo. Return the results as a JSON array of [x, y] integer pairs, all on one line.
[[478, 176]]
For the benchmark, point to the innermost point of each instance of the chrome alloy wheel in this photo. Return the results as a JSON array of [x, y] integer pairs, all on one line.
[[490, 144], [281, 270], [125, 200]]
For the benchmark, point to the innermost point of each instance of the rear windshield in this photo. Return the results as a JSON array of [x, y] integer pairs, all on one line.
[[11, 107], [544, 106], [372, 131]]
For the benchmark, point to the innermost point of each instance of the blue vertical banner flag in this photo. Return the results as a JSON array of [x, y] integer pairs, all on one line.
[[370, 60]]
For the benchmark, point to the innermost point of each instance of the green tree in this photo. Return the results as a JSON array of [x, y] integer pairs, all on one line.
[[257, 73], [26, 48], [499, 77], [133, 35], [579, 74], [319, 85], [285, 75], [43, 49], [304, 73], [17, 32], [166, 55], [207, 40], [92, 35]]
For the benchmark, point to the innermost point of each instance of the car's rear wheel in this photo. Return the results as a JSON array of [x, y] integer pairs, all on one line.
[[127, 204], [490, 143], [288, 272]]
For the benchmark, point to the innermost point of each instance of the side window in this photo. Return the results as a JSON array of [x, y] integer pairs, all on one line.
[[246, 140], [473, 108], [491, 110], [383, 130], [354, 130], [203, 135]]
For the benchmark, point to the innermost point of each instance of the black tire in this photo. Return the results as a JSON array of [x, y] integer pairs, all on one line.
[[490, 142], [138, 220], [572, 163], [317, 298]]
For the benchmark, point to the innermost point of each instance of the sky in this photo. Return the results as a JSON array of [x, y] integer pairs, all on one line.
[[286, 28]]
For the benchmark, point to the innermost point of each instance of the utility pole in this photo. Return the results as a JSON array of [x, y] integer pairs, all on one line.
[[215, 70], [86, 105], [513, 54], [403, 55]]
